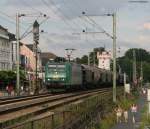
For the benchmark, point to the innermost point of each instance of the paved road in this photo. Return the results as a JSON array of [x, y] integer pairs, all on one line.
[[129, 124]]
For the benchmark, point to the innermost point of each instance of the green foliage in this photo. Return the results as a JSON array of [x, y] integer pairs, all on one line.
[[82, 60], [108, 121], [10, 76], [145, 118], [126, 63], [59, 59], [7, 75], [92, 55], [110, 118], [141, 54]]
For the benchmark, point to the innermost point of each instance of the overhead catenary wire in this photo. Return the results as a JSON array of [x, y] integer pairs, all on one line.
[[93, 22], [79, 7], [29, 6], [71, 11], [48, 5], [10, 19], [99, 27], [30, 27], [64, 16]]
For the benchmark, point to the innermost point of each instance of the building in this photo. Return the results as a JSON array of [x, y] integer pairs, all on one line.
[[28, 59], [46, 56], [104, 59], [5, 49]]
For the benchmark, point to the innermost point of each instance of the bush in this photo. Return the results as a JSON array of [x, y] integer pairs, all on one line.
[[110, 119]]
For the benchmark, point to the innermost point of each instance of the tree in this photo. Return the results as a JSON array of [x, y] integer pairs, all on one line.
[[9, 77], [142, 56], [59, 59], [93, 56]]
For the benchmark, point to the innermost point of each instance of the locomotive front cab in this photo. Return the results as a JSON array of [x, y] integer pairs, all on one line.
[[56, 74]]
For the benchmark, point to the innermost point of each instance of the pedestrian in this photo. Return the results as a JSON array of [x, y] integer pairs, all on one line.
[[8, 89], [118, 114], [144, 91], [133, 111], [125, 114]]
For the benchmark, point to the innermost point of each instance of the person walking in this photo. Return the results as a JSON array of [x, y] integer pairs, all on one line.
[[118, 114], [125, 114], [133, 111]]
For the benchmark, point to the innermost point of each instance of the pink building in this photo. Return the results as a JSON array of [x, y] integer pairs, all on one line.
[[28, 59]]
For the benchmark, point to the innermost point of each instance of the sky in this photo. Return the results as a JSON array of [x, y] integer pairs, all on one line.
[[63, 27]]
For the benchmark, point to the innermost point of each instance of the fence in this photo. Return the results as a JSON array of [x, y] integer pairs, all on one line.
[[64, 117]]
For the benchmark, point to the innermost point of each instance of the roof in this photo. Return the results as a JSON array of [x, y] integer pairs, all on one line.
[[11, 36], [46, 56], [31, 47], [1, 27]]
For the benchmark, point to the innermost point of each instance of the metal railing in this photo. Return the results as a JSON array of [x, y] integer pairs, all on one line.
[[61, 119]]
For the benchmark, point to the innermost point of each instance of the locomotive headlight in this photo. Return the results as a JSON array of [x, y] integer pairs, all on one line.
[[48, 79]]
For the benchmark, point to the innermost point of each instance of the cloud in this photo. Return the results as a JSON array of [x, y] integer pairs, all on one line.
[[74, 8], [64, 17], [146, 25], [68, 8]]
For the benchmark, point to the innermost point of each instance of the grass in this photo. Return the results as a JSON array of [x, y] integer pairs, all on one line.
[[125, 103], [145, 118], [108, 121]]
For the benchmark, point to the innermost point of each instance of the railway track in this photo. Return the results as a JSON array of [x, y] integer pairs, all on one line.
[[14, 110], [21, 98]]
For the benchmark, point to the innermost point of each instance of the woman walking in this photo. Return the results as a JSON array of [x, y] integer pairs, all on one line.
[[133, 111], [118, 114], [125, 114]]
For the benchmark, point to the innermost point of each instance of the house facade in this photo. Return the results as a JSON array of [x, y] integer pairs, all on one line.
[[28, 59], [5, 49]]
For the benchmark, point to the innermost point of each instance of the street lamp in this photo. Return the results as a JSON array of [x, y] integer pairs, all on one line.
[[36, 41], [18, 52]]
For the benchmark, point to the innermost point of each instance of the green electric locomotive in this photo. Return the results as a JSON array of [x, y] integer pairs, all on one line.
[[64, 75]]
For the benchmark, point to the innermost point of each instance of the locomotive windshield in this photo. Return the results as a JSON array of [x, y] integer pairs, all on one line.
[[55, 70], [56, 66]]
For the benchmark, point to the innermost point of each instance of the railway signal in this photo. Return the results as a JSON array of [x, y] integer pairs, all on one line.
[[69, 53], [36, 42]]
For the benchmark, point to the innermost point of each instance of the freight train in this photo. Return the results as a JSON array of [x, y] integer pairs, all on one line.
[[70, 76]]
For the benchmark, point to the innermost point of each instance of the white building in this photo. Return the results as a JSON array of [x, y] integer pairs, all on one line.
[[104, 59], [5, 49]]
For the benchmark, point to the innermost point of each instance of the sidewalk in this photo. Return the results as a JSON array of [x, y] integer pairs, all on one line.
[[129, 125]]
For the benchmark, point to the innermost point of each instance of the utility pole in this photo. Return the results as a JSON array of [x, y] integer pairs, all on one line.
[[134, 68], [93, 58], [124, 79], [89, 59], [141, 78], [36, 42], [18, 54], [114, 56], [114, 50]]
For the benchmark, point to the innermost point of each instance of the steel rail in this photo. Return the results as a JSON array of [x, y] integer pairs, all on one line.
[[44, 105]]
